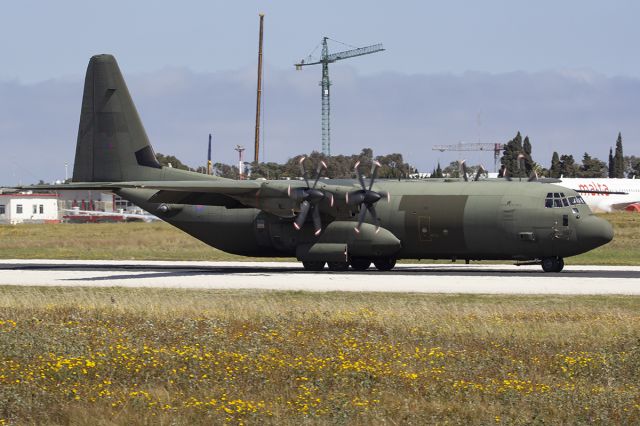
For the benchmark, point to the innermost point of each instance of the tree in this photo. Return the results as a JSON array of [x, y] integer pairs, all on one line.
[[619, 158], [509, 159], [633, 166], [393, 166], [226, 171], [528, 160], [568, 167], [452, 170], [612, 164], [437, 173], [556, 167], [591, 167], [166, 160]]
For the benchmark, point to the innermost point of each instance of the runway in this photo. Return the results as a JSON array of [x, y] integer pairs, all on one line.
[[406, 278]]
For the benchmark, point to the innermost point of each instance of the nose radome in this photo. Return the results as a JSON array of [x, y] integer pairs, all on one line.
[[596, 231]]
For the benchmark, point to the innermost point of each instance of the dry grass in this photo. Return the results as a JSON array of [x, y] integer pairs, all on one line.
[[117, 241], [136, 356], [160, 241]]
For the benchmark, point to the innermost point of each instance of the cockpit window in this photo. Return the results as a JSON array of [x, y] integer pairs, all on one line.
[[558, 200]]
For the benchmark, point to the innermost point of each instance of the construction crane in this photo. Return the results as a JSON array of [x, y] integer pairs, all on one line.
[[325, 60], [495, 147]]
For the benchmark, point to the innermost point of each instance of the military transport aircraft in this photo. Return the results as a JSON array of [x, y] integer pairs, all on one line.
[[342, 223]]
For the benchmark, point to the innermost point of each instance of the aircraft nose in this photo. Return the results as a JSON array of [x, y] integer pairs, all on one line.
[[596, 232]]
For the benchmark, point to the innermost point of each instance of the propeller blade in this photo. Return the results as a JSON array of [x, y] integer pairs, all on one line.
[[478, 173], [360, 178], [331, 199], [533, 177], [304, 172], [520, 161], [386, 195], [374, 173], [463, 170], [363, 212], [321, 167], [302, 216], [372, 210], [317, 222]]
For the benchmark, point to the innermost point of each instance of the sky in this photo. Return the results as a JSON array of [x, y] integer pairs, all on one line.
[[565, 73]]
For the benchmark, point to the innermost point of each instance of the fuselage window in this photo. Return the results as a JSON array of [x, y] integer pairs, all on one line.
[[548, 203], [572, 200], [565, 202]]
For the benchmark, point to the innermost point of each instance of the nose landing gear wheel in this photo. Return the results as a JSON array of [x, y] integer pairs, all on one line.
[[552, 264], [385, 264], [313, 266]]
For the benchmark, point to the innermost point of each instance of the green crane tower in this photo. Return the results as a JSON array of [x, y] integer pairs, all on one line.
[[325, 84]]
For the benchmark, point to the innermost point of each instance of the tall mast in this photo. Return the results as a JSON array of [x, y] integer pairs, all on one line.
[[209, 168], [326, 106], [259, 95]]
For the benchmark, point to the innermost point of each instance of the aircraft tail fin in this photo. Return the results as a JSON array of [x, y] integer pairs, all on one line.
[[112, 143]]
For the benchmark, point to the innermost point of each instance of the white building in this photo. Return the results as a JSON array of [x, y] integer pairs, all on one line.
[[28, 208]]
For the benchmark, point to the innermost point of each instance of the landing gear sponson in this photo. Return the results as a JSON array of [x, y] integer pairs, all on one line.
[[357, 264]]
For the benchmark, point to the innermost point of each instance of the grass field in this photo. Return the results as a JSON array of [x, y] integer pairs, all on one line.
[[136, 356], [148, 241]]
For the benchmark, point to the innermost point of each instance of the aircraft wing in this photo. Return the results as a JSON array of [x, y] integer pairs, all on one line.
[[227, 187], [222, 186], [270, 196]]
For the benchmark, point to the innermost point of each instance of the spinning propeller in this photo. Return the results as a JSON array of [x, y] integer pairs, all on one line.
[[464, 172], [366, 198], [310, 198]]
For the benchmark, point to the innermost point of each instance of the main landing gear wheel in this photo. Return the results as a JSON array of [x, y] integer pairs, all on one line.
[[385, 264], [338, 266], [552, 264], [313, 266], [360, 264]]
